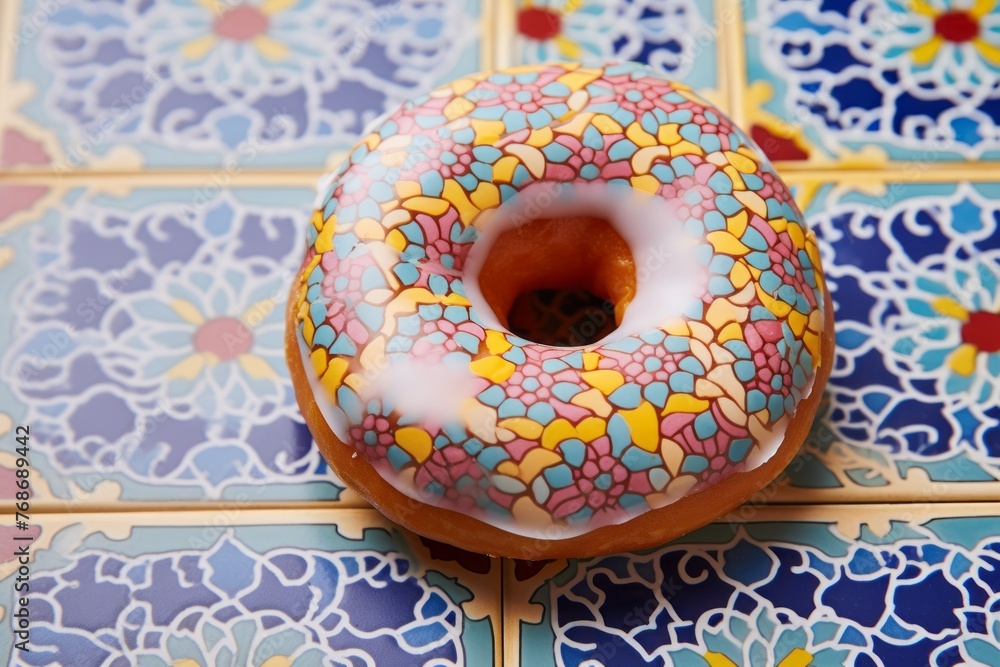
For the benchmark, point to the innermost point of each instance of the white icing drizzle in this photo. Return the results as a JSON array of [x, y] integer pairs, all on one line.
[[668, 278], [333, 415]]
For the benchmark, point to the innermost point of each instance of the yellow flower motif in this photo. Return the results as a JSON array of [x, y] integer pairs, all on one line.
[[957, 26], [545, 23], [240, 23], [221, 339], [799, 657], [978, 334]]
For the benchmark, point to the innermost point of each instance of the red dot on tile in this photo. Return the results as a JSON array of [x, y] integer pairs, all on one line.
[[539, 23], [225, 337], [983, 330], [777, 148], [956, 27], [241, 23]]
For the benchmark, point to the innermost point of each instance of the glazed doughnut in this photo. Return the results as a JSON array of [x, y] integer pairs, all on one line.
[[695, 382]]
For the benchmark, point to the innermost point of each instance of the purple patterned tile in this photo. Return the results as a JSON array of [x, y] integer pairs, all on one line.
[[144, 346], [197, 83], [336, 588]]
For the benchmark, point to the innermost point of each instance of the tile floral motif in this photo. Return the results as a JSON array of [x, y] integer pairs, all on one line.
[[349, 591], [914, 272], [676, 37], [774, 592], [146, 346], [188, 83], [918, 80]]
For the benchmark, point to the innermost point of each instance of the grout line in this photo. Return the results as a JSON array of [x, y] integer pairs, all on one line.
[[54, 508], [732, 51], [9, 10], [905, 492], [309, 515], [721, 47], [503, 614], [944, 172], [487, 38], [61, 507], [818, 513], [126, 179], [504, 12], [318, 511]]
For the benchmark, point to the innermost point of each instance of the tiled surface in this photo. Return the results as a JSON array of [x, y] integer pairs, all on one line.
[[145, 243], [146, 345], [344, 588], [913, 405], [678, 37], [209, 83], [821, 586], [863, 82]]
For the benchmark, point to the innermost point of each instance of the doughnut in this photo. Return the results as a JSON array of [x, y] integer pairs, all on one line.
[[433, 343]]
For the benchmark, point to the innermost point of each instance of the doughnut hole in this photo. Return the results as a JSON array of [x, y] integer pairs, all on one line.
[[561, 281]]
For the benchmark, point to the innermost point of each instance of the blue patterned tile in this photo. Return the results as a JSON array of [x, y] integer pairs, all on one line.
[[339, 588], [914, 273], [825, 587], [143, 342], [678, 37], [248, 84], [908, 80]]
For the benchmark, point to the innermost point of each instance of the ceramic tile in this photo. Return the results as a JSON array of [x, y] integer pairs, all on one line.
[[143, 343], [819, 586], [860, 82], [911, 410], [339, 587], [196, 83], [140, 339], [677, 37]]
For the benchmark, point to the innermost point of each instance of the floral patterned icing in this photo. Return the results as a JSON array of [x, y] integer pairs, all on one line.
[[416, 375]]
